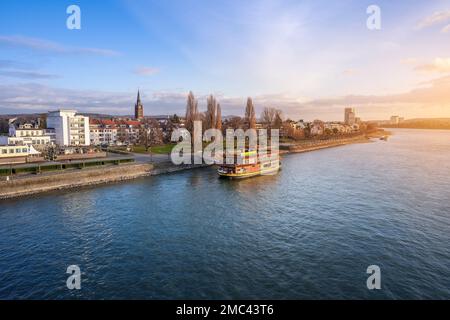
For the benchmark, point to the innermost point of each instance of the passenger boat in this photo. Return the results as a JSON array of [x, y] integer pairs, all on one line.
[[253, 164]]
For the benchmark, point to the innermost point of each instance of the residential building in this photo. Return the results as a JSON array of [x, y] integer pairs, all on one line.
[[128, 131], [103, 132], [27, 133], [70, 128], [395, 120], [349, 116]]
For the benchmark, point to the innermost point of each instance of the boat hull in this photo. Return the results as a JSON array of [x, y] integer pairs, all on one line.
[[269, 171]]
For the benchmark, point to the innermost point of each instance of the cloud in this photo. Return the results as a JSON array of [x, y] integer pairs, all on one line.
[[446, 29], [31, 75], [436, 18], [146, 71], [50, 46], [434, 92], [440, 65], [33, 97], [429, 99], [7, 64], [20, 70]]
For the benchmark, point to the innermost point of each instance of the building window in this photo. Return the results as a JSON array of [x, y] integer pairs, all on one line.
[[4, 151]]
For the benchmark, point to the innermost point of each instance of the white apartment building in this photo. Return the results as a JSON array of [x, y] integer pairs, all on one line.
[[395, 120], [349, 116], [26, 134], [70, 129]]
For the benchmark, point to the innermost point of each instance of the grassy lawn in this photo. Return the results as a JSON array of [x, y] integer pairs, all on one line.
[[162, 149]]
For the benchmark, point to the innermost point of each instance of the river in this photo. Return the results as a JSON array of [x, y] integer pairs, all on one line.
[[309, 232]]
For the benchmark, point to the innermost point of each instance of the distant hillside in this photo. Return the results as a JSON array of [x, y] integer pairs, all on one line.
[[436, 123]]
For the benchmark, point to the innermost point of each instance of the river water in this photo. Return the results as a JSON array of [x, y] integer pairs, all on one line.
[[309, 232]]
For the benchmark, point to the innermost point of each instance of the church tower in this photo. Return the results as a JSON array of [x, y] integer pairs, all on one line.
[[138, 108]]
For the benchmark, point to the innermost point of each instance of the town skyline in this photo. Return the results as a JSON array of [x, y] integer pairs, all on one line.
[[286, 55]]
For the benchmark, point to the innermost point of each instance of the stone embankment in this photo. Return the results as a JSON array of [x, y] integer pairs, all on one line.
[[311, 145], [32, 184]]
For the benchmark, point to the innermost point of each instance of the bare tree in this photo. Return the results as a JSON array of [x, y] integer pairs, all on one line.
[[268, 116], [51, 152], [191, 112], [210, 115], [150, 134], [250, 117], [278, 119], [219, 117], [233, 123], [156, 136], [144, 138]]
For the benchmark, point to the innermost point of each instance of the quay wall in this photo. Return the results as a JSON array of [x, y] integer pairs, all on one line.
[[32, 184], [312, 145]]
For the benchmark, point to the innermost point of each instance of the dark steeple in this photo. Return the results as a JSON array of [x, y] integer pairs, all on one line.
[[138, 108]]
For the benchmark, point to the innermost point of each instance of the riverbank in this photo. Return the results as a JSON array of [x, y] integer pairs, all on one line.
[[313, 145], [33, 184]]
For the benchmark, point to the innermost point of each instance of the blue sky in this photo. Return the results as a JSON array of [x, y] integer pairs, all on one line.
[[309, 58]]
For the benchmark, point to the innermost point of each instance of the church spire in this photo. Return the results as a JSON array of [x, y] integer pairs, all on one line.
[[138, 108]]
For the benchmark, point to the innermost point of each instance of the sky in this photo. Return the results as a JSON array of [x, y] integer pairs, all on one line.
[[310, 59]]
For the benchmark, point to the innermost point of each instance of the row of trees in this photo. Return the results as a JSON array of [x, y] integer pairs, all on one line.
[[212, 118]]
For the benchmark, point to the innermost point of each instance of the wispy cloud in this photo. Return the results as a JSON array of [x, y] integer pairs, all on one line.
[[439, 65], [21, 70], [436, 18], [446, 29], [432, 94], [51, 46], [30, 75], [432, 97], [146, 71], [13, 64], [33, 97]]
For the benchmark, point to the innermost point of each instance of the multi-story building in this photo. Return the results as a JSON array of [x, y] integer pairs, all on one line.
[[115, 132], [395, 120], [350, 116], [128, 131], [103, 132], [26, 134], [70, 129]]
